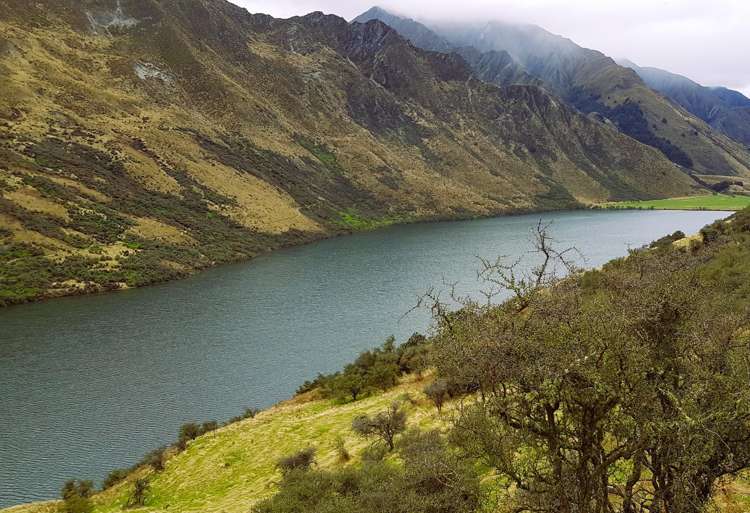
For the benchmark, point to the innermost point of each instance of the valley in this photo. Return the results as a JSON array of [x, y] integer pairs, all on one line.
[[303, 263], [244, 335]]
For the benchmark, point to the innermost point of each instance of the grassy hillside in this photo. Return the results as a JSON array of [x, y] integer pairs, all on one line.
[[231, 469], [141, 141]]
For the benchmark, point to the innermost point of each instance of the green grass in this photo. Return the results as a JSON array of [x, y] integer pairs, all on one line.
[[230, 469], [320, 152], [354, 221], [708, 202]]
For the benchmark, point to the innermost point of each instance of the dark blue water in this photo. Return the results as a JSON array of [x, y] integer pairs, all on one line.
[[89, 384]]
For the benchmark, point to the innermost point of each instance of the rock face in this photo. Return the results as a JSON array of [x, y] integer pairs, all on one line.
[[190, 132], [595, 84], [725, 110]]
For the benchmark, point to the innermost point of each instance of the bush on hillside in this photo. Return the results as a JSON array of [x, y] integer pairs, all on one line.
[[137, 499], [114, 477], [432, 479], [300, 460], [374, 370]]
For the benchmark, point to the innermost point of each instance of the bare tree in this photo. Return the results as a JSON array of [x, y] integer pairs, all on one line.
[[384, 425], [502, 277]]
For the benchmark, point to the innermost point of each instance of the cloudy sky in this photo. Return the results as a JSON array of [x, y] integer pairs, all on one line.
[[706, 40]]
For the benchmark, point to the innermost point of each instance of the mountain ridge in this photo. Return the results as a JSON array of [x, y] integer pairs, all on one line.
[[143, 140], [595, 84], [723, 109]]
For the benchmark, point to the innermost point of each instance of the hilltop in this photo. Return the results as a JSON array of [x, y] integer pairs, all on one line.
[[725, 110], [141, 141]]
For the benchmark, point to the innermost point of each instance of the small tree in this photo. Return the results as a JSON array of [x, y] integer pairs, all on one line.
[[341, 450], [384, 425], [191, 431], [140, 489], [301, 460], [383, 375], [349, 384], [115, 477], [188, 432], [438, 393]]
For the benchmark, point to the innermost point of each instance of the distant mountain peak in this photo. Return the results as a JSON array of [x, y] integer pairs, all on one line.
[[497, 67], [418, 34]]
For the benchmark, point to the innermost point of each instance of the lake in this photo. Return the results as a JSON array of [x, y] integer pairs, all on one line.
[[89, 384]]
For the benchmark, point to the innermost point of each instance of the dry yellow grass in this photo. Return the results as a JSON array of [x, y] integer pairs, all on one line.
[[260, 205]]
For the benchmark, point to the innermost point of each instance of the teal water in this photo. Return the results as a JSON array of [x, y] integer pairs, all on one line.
[[89, 384]]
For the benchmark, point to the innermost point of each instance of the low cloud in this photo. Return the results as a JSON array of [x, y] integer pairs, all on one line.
[[705, 41]]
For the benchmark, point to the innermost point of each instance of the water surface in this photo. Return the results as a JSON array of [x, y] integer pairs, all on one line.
[[89, 384]]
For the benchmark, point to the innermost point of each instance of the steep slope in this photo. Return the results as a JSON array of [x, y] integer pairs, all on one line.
[[594, 83], [725, 110], [229, 470], [141, 140], [495, 67]]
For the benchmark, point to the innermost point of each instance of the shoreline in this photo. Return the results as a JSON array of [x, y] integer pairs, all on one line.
[[313, 238], [292, 399]]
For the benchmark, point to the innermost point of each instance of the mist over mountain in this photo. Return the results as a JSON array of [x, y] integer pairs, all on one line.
[[495, 67], [595, 84]]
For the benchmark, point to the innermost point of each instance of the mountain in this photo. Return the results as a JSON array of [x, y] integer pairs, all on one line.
[[595, 84], [495, 67], [418, 34], [142, 140], [725, 110]]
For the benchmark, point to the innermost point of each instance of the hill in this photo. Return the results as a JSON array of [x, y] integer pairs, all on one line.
[[141, 140], [233, 468]]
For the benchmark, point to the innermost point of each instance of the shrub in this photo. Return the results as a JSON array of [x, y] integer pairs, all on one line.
[[140, 489], [115, 477], [374, 370], [76, 496], [438, 393], [301, 460], [249, 413], [431, 480], [155, 459], [191, 431], [341, 450]]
